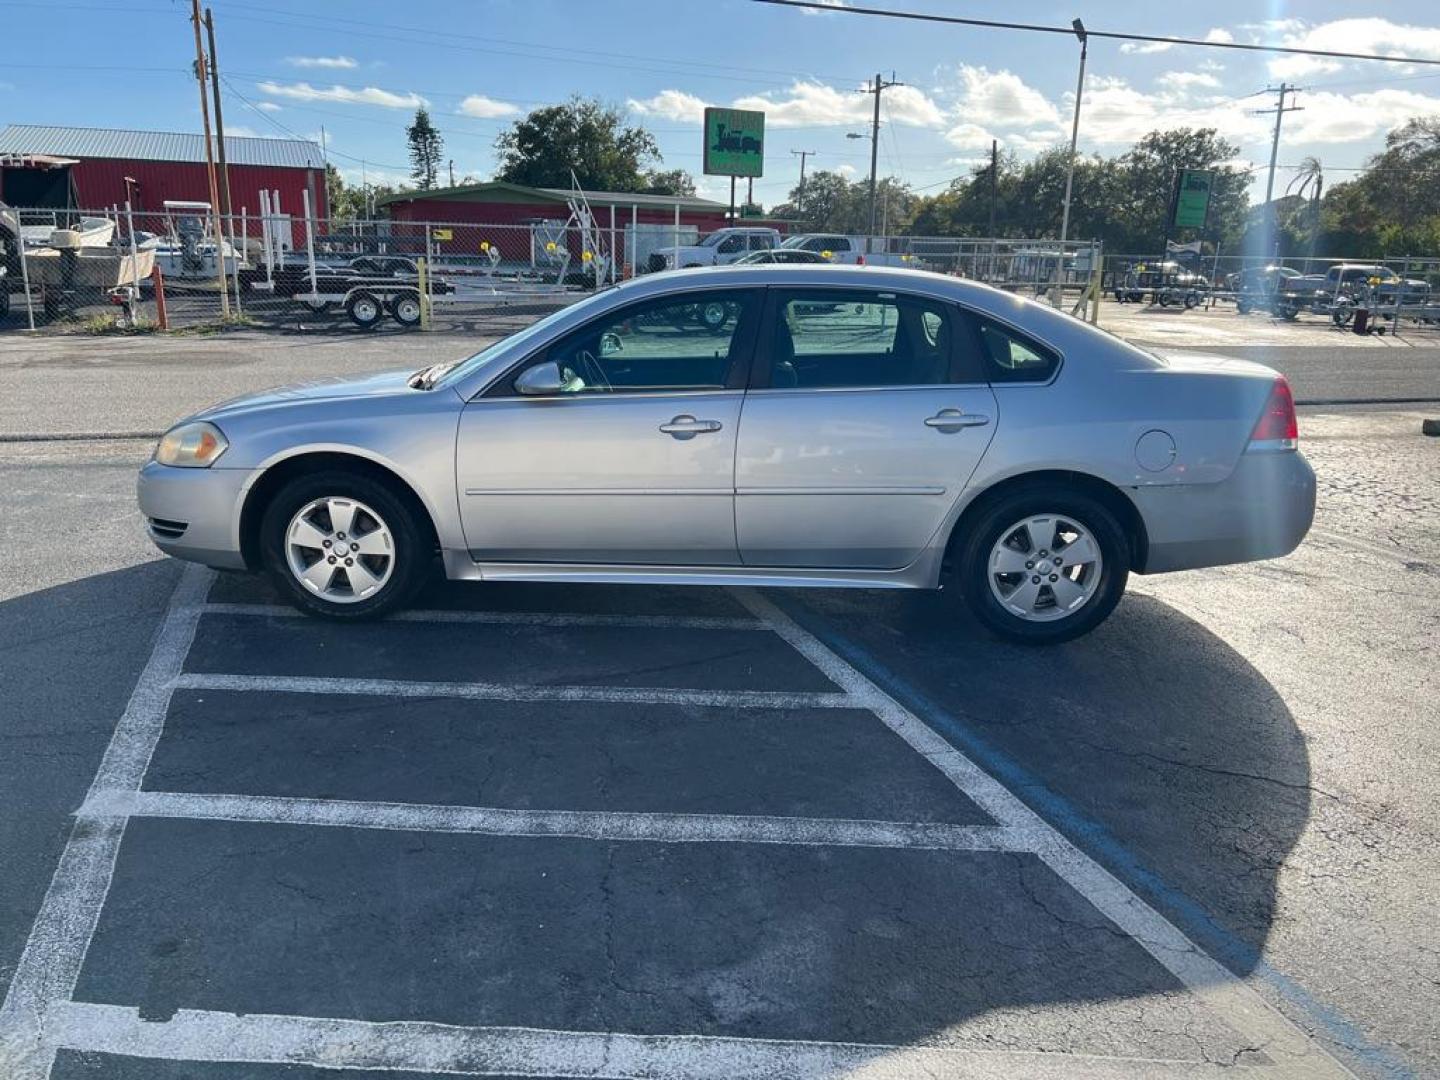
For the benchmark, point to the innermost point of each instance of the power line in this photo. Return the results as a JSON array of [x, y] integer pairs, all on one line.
[[1114, 35]]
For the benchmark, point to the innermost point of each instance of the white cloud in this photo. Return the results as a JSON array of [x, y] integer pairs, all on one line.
[[1144, 48], [846, 169], [969, 137], [370, 95], [486, 108], [345, 62], [1002, 99], [1115, 114], [1347, 118], [1183, 81], [269, 106], [1363, 35], [815, 104], [827, 3], [674, 105], [240, 131]]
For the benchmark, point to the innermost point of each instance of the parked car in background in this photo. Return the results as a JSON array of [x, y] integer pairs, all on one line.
[[828, 426], [1269, 288], [1166, 283], [719, 248], [841, 249], [1352, 282], [782, 256]]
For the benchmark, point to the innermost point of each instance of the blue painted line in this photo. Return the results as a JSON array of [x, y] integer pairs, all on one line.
[[1095, 839]]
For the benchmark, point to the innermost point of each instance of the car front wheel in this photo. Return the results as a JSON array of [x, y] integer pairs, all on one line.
[[341, 545], [1043, 565]]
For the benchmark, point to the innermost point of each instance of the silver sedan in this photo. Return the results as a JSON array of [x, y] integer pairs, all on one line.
[[778, 425]]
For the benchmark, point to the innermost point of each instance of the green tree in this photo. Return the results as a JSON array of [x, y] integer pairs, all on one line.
[[426, 149], [584, 135], [669, 182], [1147, 179]]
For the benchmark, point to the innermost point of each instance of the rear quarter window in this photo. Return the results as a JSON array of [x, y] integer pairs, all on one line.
[[1013, 357]]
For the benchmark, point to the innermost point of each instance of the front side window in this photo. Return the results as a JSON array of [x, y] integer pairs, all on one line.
[[833, 338], [732, 244], [1012, 357], [761, 242], [689, 342]]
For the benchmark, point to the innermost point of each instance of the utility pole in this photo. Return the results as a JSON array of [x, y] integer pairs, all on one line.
[[452, 172], [1280, 110], [219, 116], [803, 154], [878, 87], [210, 161]]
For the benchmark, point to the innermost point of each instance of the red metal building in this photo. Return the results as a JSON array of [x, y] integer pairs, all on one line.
[[169, 166]]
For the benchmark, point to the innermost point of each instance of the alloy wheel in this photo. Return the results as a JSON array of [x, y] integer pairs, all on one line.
[[339, 549], [1044, 567]]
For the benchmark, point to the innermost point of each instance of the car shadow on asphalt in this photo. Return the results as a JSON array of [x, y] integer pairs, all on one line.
[[1150, 742]]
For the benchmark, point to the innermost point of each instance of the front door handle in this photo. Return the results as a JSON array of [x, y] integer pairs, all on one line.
[[954, 420], [686, 426]]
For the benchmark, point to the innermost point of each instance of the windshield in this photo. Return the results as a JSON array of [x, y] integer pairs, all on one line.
[[711, 240], [444, 374], [794, 241]]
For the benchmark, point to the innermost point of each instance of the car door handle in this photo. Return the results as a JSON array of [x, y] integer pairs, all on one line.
[[685, 426], [954, 420]]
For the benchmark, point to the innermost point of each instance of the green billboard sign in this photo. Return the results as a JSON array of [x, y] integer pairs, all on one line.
[[734, 142], [1192, 198]]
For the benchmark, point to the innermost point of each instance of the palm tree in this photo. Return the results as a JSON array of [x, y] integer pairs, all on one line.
[[1309, 177]]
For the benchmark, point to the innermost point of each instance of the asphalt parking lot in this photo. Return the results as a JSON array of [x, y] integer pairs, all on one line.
[[588, 831]]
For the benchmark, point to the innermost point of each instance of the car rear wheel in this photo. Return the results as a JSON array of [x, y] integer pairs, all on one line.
[[342, 545], [1043, 564]]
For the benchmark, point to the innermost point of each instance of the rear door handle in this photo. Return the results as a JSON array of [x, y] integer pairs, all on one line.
[[685, 426], [954, 420]]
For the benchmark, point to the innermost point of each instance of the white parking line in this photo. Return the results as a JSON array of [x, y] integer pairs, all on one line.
[[589, 824], [195, 1035], [1233, 1000], [518, 618], [46, 973], [471, 691]]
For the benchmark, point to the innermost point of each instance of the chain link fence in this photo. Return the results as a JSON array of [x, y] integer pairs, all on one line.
[[1401, 293]]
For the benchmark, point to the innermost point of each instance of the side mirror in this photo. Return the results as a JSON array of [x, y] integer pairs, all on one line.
[[542, 379], [610, 343]]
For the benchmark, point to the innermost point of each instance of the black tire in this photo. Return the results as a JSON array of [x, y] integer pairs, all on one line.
[[412, 550], [1192, 300], [365, 310], [405, 309], [970, 567], [1289, 313], [318, 307], [1242, 307], [4, 299], [1164, 299]]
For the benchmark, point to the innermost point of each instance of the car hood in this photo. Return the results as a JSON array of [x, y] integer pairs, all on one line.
[[378, 385]]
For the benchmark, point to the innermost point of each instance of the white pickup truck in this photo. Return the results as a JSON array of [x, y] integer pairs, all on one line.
[[843, 249], [720, 248]]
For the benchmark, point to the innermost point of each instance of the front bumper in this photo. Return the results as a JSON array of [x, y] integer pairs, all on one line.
[[1261, 511], [194, 514]]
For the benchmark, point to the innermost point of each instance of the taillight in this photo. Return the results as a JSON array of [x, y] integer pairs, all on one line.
[[1277, 427]]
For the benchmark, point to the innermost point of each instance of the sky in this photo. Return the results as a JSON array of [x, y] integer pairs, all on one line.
[[358, 69]]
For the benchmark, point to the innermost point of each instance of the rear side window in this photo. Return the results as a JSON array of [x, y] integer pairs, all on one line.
[[1011, 357], [834, 338]]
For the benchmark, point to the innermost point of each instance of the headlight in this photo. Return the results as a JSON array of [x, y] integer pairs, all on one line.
[[191, 446]]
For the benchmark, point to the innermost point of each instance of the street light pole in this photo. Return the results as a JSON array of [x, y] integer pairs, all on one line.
[[803, 154], [1070, 170]]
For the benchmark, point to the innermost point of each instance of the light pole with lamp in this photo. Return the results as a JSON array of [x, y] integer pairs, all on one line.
[[1079, 28]]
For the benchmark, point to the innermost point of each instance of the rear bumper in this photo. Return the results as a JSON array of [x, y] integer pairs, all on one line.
[[194, 514], [1261, 511]]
